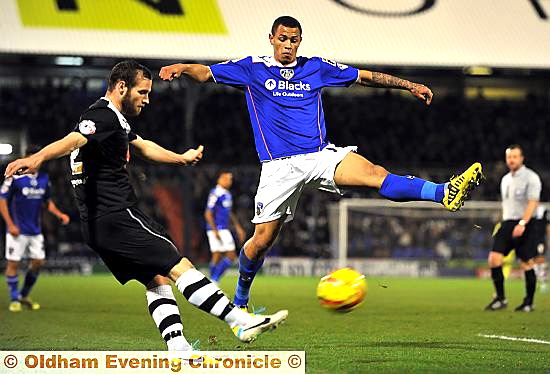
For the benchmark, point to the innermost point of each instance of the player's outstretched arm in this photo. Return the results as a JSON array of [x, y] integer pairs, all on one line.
[[197, 72], [153, 152], [376, 79], [59, 148]]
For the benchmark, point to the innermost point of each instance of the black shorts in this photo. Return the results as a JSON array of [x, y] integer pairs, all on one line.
[[132, 245], [525, 245], [540, 228]]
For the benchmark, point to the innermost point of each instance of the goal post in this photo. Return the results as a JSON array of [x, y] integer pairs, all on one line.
[[410, 230]]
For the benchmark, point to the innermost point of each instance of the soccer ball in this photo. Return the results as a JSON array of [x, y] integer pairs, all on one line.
[[342, 290]]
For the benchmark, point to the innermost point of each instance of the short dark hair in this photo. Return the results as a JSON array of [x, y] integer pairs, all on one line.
[[286, 21], [515, 146], [224, 171], [127, 71], [32, 149]]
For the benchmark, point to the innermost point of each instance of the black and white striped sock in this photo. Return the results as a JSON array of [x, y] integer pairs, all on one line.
[[164, 310], [207, 296]]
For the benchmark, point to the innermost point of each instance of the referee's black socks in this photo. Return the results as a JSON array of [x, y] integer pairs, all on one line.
[[498, 280], [530, 285]]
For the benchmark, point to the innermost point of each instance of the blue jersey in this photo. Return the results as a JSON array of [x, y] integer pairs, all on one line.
[[284, 102], [26, 194], [220, 203]]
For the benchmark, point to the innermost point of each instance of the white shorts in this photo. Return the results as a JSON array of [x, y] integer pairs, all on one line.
[[283, 180], [25, 246], [226, 243]]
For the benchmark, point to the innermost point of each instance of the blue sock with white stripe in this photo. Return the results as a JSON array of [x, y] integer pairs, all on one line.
[[410, 188], [13, 281], [30, 280], [247, 271]]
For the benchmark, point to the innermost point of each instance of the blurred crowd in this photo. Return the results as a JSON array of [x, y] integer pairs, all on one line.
[[392, 130]]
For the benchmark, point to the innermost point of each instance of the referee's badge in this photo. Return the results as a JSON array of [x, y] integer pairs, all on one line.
[[287, 73]]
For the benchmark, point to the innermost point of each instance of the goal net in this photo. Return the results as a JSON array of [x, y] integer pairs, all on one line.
[[373, 228]]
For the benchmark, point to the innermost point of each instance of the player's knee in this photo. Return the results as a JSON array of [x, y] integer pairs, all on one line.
[[526, 266], [495, 259], [36, 265], [11, 267]]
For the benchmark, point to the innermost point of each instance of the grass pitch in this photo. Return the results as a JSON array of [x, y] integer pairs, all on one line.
[[405, 325]]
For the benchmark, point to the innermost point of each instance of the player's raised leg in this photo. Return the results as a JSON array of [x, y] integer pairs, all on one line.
[[355, 170], [251, 257], [207, 296]]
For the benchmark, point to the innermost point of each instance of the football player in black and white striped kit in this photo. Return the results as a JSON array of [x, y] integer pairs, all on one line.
[[520, 190], [131, 244]]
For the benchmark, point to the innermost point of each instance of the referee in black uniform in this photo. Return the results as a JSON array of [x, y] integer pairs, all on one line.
[[131, 244], [520, 190]]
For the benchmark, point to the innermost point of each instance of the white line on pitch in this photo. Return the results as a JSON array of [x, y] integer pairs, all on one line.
[[528, 340]]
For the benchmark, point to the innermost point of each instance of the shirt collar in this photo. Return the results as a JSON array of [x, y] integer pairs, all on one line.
[[274, 62], [519, 171], [121, 119]]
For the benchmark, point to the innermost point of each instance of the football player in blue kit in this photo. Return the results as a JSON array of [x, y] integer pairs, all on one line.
[[22, 198], [283, 95], [218, 216]]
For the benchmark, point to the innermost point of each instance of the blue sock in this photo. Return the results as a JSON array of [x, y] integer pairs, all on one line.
[[222, 266], [409, 188], [213, 268], [30, 280], [247, 271], [12, 281]]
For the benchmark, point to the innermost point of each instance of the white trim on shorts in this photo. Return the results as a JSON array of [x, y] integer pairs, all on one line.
[[226, 244], [283, 180], [149, 231], [25, 246]]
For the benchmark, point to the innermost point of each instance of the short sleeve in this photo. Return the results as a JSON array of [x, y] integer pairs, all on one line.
[[212, 200], [6, 191], [97, 125], [132, 136], [335, 74], [232, 72], [534, 187]]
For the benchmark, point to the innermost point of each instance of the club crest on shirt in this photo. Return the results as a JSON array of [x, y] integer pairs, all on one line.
[[259, 208], [287, 73], [86, 127]]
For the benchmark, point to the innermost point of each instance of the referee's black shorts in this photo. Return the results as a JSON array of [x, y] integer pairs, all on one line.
[[132, 245], [525, 245]]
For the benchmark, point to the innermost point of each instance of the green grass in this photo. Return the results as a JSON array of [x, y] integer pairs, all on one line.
[[413, 325]]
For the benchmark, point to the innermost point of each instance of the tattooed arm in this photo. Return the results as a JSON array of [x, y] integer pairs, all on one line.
[[376, 79]]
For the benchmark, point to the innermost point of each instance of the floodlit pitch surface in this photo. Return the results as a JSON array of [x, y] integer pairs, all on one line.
[[405, 325]]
